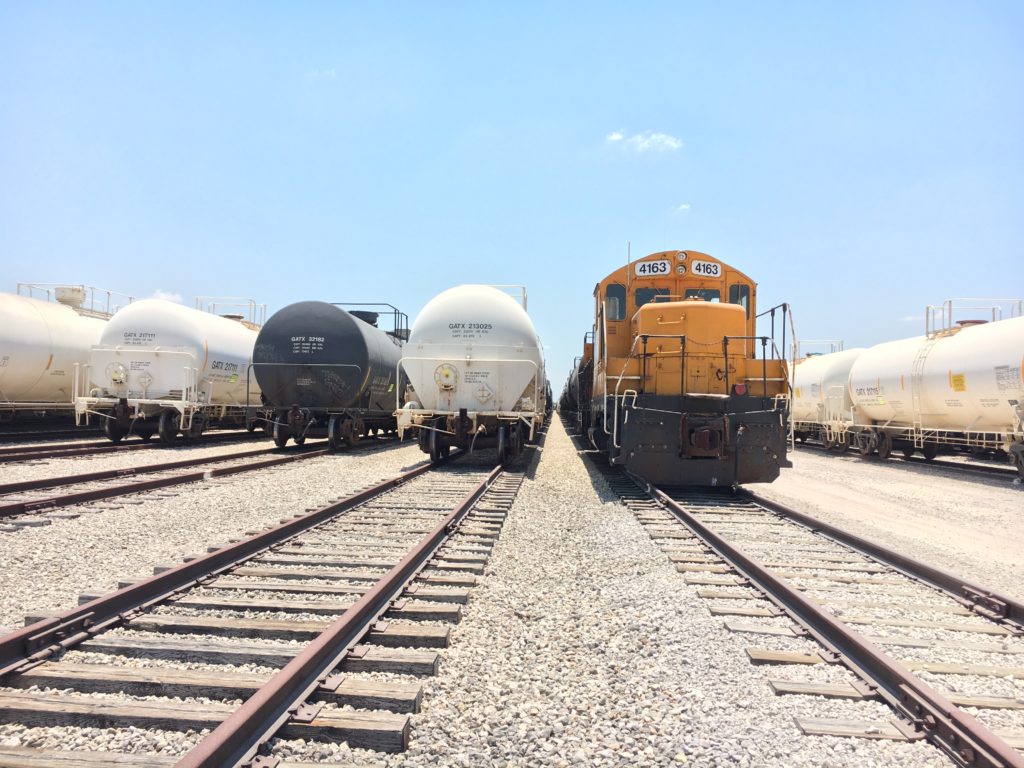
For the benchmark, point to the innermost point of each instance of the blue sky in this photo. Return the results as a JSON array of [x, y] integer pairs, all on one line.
[[859, 160]]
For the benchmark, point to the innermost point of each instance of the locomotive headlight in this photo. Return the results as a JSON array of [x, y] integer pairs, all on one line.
[[681, 269], [117, 373], [681, 255], [446, 377]]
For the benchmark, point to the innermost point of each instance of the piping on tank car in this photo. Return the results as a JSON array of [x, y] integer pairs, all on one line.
[[46, 331], [163, 368], [476, 365], [329, 372]]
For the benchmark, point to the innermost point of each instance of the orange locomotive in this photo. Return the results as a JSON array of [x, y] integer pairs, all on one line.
[[674, 384]]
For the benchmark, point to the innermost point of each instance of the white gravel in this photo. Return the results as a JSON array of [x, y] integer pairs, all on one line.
[[45, 569], [970, 525]]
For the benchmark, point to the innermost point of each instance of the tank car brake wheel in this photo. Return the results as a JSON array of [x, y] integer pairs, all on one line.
[[170, 421], [884, 445], [930, 451]]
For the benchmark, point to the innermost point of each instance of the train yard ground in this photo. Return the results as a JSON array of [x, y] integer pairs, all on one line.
[[581, 644]]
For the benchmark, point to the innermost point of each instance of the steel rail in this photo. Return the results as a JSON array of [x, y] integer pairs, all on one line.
[[97, 494], [35, 643], [1008, 471], [108, 474], [989, 603], [238, 738], [33, 452], [932, 715], [15, 450]]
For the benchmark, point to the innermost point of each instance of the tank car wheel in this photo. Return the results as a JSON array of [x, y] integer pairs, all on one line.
[[145, 436], [828, 442], [170, 422], [930, 451], [281, 433], [433, 445], [349, 432], [884, 446], [843, 442], [908, 451], [334, 433], [193, 433], [864, 444], [111, 430], [503, 445]]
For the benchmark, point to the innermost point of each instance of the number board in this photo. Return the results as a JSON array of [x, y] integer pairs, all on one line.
[[706, 268], [653, 268]]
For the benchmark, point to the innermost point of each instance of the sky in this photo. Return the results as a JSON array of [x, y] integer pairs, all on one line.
[[857, 160]]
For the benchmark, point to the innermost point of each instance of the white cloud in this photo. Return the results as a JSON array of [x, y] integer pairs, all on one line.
[[683, 207], [911, 318], [648, 141], [160, 293]]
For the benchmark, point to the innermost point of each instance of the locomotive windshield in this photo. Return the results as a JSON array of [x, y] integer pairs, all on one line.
[[705, 294], [646, 295]]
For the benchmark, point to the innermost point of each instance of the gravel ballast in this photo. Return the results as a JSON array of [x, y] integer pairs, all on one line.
[[45, 569], [584, 646]]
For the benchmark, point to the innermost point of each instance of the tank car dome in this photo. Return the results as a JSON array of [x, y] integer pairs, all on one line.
[[158, 322], [473, 314]]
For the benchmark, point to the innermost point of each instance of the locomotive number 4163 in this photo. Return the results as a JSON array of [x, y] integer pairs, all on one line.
[[653, 268], [706, 268]]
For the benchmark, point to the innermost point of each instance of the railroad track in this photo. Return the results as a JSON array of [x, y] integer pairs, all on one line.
[[79, 448], [48, 434], [988, 470], [33, 503], [367, 584], [873, 624]]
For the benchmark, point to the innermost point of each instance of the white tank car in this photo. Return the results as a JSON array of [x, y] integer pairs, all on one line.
[[163, 367], [959, 386], [821, 396], [41, 342], [476, 366]]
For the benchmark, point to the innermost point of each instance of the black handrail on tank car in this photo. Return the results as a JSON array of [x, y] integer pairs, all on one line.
[[399, 319]]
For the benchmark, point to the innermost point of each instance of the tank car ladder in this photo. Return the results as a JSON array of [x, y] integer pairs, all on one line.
[[916, 382]]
